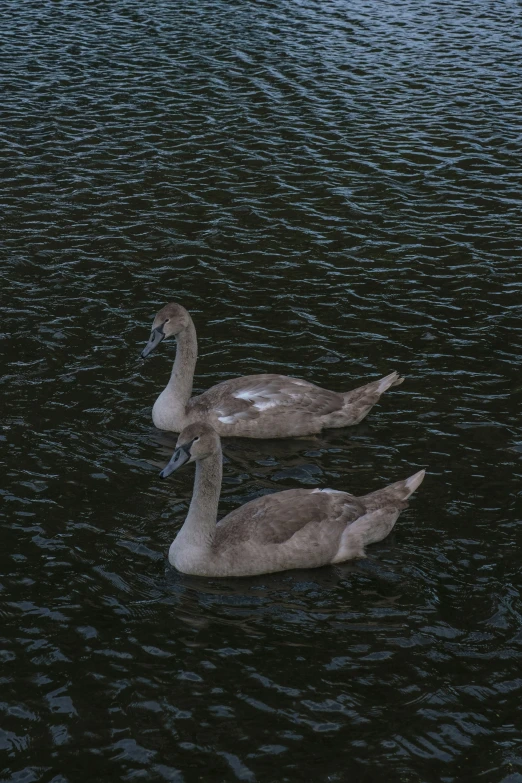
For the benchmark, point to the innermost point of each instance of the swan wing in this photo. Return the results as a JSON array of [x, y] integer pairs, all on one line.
[[275, 519], [251, 396]]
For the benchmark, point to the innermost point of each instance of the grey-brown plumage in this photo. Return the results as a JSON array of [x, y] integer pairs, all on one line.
[[254, 406], [297, 528]]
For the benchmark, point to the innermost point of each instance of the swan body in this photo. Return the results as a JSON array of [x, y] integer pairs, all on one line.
[[254, 406], [297, 528]]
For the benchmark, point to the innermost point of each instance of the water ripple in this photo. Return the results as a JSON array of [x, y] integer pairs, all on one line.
[[332, 189]]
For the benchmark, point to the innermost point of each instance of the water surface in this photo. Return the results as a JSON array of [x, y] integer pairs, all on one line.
[[333, 190]]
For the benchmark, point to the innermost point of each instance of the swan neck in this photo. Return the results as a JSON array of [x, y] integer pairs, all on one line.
[[182, 376], [200, 524]]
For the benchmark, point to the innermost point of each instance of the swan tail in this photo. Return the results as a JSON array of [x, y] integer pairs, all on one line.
[[393, 379], [382, 511], [394, 494], [359, 402]]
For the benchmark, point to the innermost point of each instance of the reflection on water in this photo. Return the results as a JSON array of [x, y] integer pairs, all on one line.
[[332, 190]]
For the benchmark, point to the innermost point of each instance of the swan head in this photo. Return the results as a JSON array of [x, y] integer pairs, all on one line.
[[171, 320], [196, 442]]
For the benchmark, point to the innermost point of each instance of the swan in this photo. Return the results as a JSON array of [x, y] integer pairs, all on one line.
[[296, 528], [254, 406]]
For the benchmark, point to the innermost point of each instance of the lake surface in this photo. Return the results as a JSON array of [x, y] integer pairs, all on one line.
[[333, 189]]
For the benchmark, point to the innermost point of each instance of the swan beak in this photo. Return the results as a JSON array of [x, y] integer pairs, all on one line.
[[156, 337], [180, 456]]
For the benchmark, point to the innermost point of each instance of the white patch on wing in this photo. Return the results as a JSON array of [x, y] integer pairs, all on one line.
[[246, 394], [265, 404], [231, 418], [330, 491], [228, 419], [261, 398]]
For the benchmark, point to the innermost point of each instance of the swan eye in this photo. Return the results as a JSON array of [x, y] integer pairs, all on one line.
[[195, 439]]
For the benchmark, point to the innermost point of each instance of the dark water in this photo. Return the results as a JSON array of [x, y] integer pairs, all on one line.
[[334, 190]]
